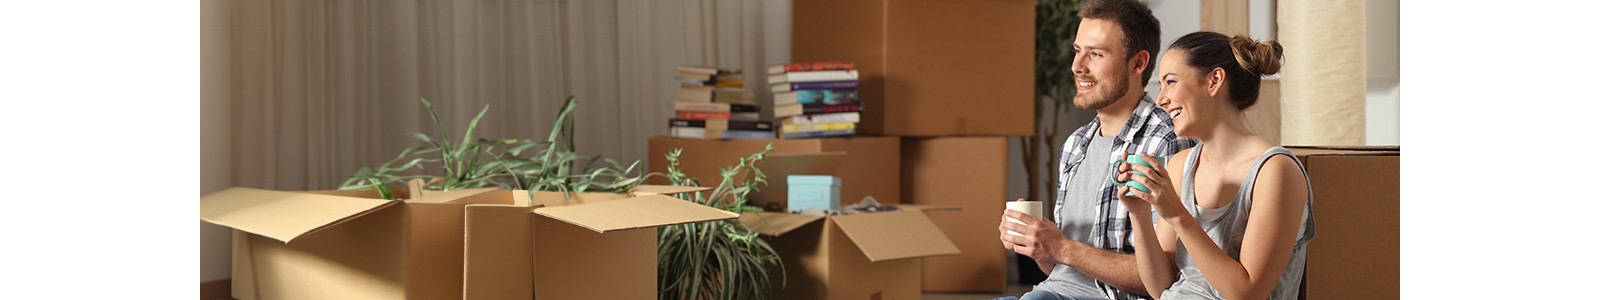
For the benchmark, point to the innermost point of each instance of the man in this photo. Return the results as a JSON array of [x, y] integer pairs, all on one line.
[[1088, 249]]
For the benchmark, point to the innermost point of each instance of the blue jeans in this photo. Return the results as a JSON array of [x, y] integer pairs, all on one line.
[[1048, 295]]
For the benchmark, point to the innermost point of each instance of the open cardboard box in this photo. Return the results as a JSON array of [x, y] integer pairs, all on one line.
[[345, 244], [860, 256], [557, 245], [475, 243]]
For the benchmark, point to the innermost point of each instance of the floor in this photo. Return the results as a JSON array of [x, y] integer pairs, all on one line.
[[1011, 290]]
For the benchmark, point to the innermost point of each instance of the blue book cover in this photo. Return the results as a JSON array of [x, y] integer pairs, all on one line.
[[748, 135], [817, 134]]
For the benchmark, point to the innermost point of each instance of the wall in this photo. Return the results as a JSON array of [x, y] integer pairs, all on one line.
[[216, 168], [1383, 72], [1179, 17]]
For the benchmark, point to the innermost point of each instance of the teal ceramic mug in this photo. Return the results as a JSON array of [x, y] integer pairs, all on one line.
[[1136, 159]]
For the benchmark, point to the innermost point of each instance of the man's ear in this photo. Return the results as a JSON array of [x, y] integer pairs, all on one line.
[[1139, 62], [1214, 78]]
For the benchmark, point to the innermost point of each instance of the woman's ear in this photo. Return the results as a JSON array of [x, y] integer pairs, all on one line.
[[1214, 85]]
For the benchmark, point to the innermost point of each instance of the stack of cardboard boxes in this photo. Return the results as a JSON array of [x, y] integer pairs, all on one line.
[[953, 80], [933, 133]]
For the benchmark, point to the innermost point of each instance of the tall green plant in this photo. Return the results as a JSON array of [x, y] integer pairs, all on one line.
[[1055, 27], [555, 167], [465, 163], [720, 259]]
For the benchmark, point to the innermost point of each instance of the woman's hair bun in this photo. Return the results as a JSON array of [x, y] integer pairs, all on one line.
[[1256, 57]]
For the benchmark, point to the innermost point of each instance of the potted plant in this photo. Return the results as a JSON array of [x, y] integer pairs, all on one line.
[[465, 163], [722, 259], [1056, 26]]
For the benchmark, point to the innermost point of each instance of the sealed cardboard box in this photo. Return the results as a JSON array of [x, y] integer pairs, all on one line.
[[868, 166], [557, 245], [1356, 253], [970, 173], [859, 256], [344, 244], [929, 68]]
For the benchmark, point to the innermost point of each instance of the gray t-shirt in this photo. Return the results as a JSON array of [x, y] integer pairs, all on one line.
[[1077, 216]]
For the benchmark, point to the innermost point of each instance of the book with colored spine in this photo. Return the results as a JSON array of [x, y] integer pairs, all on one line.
[[695, 133], [817, 134], [851, 117], [791, 128], [810, 66], [813, 76], [828, 108], [817, 96], [749, 135], [733, 96], [704, 115], [819, 85], [720, 124], [702, 106]]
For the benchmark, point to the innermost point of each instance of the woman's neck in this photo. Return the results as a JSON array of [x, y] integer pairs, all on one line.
[[1225, 141]]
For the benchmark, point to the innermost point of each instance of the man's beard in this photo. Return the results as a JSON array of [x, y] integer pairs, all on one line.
[[1104, 93]]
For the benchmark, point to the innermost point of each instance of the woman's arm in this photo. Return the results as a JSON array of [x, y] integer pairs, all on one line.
[[1156, 268], [1279, 199]]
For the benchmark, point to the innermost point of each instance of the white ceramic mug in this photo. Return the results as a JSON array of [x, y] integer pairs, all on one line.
[[1032, 208]]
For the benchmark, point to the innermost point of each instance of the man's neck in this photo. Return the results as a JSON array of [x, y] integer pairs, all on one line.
[[1115, 116]]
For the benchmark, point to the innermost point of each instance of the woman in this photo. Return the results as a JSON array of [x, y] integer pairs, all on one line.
[[1235, 223]]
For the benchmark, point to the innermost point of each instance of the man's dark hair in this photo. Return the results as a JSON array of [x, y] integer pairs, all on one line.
[[1140, 29]]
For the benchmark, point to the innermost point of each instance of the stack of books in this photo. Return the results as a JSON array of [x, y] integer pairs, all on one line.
[[815, 99], [713, 103]]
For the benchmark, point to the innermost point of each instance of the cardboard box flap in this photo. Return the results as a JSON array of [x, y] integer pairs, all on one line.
[[637, 212], [895, 235], [774, 223], [1344, 150], [463, 196], [650, 189], [926, 207], [283, 216]]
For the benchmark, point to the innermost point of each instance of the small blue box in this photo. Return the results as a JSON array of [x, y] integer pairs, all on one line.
[[813, 191]]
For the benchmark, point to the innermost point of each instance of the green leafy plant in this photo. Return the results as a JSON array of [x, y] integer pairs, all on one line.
[[555, 167], [1055, 27], [721, 259], [465, 163]]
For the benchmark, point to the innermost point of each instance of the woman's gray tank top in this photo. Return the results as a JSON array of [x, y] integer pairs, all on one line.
[[1226, 227]]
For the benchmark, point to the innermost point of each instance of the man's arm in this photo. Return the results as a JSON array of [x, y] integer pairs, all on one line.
[[1117, 269]]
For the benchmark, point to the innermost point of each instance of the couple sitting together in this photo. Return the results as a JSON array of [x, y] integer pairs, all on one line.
[[1228, 216]]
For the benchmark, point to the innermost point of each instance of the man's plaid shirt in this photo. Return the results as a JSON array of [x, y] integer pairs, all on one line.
[[1148, 130]]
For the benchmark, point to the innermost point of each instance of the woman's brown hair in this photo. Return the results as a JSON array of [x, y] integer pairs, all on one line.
[[1243, 60]]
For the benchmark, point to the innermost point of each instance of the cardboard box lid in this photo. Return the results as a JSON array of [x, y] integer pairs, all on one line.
[[1343, 150], [280, 215], [650, 189], [827, 180], [775, 223], [926, 207], [637, 212], [556, 198], [895, 235]]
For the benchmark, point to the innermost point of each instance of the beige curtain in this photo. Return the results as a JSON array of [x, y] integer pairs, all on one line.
[[1324, 85], [306, 92], [322, 88]]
